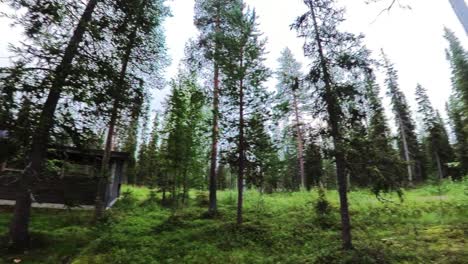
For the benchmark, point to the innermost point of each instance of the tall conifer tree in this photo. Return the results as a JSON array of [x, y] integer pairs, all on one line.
[[290, 101], [436, 136], [333, 54], [210, 19], [242, 64], [407, 138], [458, 104]]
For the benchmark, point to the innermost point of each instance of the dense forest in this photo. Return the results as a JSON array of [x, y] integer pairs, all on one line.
[[224, 146]]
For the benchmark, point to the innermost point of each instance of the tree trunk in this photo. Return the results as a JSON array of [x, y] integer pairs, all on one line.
[[163, 201], [118, 86], [406, 151], [299, 138], [439, 166], [215, 132], [19, 234], [104, 173], [185, 189], [333, 112], [214, 143], [240, 178]]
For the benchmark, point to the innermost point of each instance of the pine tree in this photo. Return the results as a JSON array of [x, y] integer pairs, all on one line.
[[136, 41], [458, 104], [290, 99], [183, 152], [456, 115], [436, 136], [407, 139], [153, 154], [333, 54], [458, 58], [143, 158], [19, 234], [384, 168], [210, 19], [242, 65], [262, 159]]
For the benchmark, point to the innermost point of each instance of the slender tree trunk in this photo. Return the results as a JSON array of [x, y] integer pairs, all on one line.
[[185, 189], [118, 88], [215, 132], [348, 181], [406, 151], [173, 187], [19, 234], [104, 173], [240, 178], [333, 112], [214, 143], [299, 138], [164, 187], [439, 165]]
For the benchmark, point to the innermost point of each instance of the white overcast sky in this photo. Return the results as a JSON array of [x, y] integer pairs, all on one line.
[[411, 38]]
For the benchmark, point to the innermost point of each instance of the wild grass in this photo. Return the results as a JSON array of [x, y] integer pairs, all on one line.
[[430, 225]]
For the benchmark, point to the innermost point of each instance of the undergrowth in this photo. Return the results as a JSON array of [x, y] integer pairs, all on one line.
[[430, 225]]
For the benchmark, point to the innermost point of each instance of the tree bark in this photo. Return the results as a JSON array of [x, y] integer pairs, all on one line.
[[439, 165], [215, 131], [333, 112], [185, 190], [118, 86], [104, 173], [406, 151], [19, 234], [299, 138], [240, 178]]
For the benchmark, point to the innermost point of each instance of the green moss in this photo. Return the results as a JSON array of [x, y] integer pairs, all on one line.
[[279, 228]]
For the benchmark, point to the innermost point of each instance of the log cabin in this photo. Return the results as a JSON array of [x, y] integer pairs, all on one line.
[[70, 179]]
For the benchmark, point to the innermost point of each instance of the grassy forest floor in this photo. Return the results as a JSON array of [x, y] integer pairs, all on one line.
[[429, 226]]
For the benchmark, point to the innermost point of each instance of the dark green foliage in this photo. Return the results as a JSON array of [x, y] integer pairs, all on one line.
[[385, 169], [436, 138], [313, 163], [338, 60], [456, 115], [322, 206], [148, 167], [201, 199], [410, 149], [262, 166], [241, 63], [458, 104], [129, 145], [458, 58], [182, 153]]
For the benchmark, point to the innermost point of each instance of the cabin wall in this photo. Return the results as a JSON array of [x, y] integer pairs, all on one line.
[[69, 191], [115, 181], [76, 184]]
